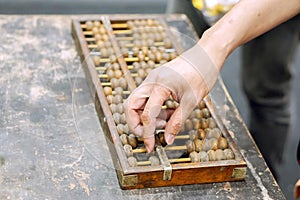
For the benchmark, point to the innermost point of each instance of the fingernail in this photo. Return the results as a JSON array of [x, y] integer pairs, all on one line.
[[170, 138]]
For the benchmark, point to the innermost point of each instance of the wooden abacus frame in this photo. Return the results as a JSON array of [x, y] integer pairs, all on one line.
[[150, 176]]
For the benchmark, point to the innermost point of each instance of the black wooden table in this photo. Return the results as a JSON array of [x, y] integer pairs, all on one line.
[[51, 143]]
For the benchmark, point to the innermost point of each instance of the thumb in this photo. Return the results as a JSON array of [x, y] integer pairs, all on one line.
[[178, 118]]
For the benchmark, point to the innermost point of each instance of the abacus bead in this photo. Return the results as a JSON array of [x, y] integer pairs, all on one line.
[[115, 66], [110, 74], [194, 157], [198, 145], [120, 129], [95, 30], [201, 133], [109, 99], [197, 113], [222, 143], [123, 139], [145, 50], [151, 56], [117, 99], [212, 133], [188, 124], [229, 154], [114, 82], [168, 43], [211, 123], [116, 117], [141, 73], [96, 60], [123, 118], [212, 155], [214, 143], [190, 146], [173, 55], [102, 30], [128, 150], [147, 71], [196, 123], [126, 129], [136, 65], [202, 105], [132, 140], [118, 74], [203, 123], [120, 108], [170, 104], [165, 56], [107, 90], [123, 83], [97, 23], [132, 161], [141, 57], [193, 135], [203, 156], [220, 155], [138, 80], [119, 90], [151, 64], [104, 53], [161, 137], [154, 161], [113, 58], [205, 112], [158, 56], [144, 65], [89, 25], [113, 107]]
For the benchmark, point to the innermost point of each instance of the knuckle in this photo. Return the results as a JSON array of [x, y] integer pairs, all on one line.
[[146, 118]]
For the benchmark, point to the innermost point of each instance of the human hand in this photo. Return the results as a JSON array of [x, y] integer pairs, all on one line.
[[187, 79]]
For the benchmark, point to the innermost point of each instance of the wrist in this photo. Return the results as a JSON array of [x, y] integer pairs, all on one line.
[[217, 46]]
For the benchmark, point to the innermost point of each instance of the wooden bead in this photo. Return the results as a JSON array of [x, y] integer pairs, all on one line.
[[203, 156], [193, 135], [205, 113], [202, 105], [154, 161], [194, 157], [168, 43], [114, 82], [212, 133], [203, 123], [170, 104], [117, 99], [196, 123], [211, 123], [172, 55], [198, 145], [89, 25], [165, 56], [124, 139], [151, 56], [120, 108], [229, 154], [222, 143], [104, 53], [113, 108], [145, 51], [190, 146], [132, 162], [116, 117], [220, 155], [197, 113], [96, 60], [147, 71], [119, 90], [115, 66], [212, 155], [110, 74], [120, 129], [151, 64], [143, 65], [102, 30], [113, 58], [132, 140], [107, 44], [201, 134], [109, 99], [123, 83], [188, 124], [138, 80], [158, 56], [141, 57], [97, 23], [128, 150], [209, 144], [161, 139], [95, 30], [125, 52], [118, 74], [126, 129], [107, 90], [123, 118], [136, 65], [141, 73]]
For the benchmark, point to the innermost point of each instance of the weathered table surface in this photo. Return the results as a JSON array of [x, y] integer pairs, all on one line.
[[51, 143]]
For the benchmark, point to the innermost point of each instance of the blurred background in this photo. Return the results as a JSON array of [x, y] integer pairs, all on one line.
[[290, 171]]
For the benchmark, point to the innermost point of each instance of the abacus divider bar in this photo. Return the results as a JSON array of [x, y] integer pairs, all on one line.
[[123, 65]]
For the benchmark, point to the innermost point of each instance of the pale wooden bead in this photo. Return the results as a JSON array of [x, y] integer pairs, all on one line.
[[212, 155], [222, 143], [194, 157], [201, 134], [229, 154], [128, 150], [132, 162], [123, 139], [203, 156], [132, 140], [154, 161], [220, 155], [198, 145], [190, 146], [120, 129], [107, 90]]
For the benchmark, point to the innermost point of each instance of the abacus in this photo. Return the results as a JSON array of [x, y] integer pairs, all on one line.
[[118, 51]]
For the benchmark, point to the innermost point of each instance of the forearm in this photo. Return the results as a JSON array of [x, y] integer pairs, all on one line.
[[247, 20]]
